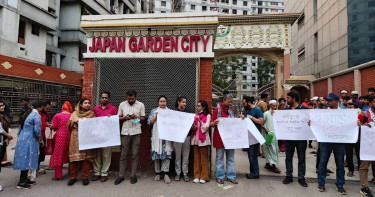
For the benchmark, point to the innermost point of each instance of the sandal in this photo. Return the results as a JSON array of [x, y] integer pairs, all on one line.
[[234, 181], [372, 180], [177, 178], [220, 181], [186, 178], [157, 177], [167, 180]]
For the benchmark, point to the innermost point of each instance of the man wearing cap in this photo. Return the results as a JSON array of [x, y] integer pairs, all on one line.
[[314, 101], [338, 149], [343, 94], [354, 95], [371, 91]]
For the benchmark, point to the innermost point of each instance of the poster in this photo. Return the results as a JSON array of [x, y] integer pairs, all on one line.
[[367, 149], [254, 134], [174, 125], [233, 132], [292, 125]]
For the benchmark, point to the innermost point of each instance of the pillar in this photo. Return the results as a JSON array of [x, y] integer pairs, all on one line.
[[279, 78], [286, 71], [357, 81], [88, 79], [205, 80], [329, 80]]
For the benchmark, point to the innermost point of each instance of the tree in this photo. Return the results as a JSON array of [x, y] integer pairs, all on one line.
[[266, 72], [226, 69]]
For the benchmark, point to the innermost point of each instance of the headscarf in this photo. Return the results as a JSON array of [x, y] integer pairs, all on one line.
[[201, 135], [77, 114], [67, 107]]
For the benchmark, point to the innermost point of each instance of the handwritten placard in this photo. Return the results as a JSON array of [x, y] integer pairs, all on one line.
[[174, 125], [98, 132], [367, 149], [233, 132], [335, 125], [254, 134], [292, 125]]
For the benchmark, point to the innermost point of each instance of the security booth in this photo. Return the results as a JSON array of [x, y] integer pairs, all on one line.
[[164, 54]]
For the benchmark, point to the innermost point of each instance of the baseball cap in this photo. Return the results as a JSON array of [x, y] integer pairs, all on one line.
[[332, 97], [344, 92], [354, 92]]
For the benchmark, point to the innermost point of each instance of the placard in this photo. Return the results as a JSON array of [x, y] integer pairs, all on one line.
[[174, 125], [367, 149], [292, 125], [233, 132], [254, 134]]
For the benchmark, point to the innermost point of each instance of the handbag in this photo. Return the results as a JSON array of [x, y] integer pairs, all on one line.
[[50, 144]]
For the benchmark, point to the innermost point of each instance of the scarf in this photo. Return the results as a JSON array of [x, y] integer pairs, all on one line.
[[201, 135], [222, 108], [67, 107], [79, 114]]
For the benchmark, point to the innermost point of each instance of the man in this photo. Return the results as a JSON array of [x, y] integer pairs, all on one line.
[[371, 91], [291, 145], [349, 147], [364, 102], [354, 95], [102, 161], [314, 101], [326, 149], [25, 104], [256, 115], [282, 106], [365, 118], [306, 102], [282, 102], [321, 101], [42, 149], [343, 94], [262, 102], [131, 113]]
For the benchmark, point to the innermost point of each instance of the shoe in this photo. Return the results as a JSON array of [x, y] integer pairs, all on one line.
[[302, 182], [341, 190], [42, 171], [248, 176], [71, 182], [350, 174], [1, 188], [104, 178], [196, 181], [274, 169], [119, 180], [23, 186], [202, 181], [56, 179], [329, 171], [321, 188], [366, 192], [95, 178], [287, 180], [133, 180], [267, 166], [85, 182], [31, 182]]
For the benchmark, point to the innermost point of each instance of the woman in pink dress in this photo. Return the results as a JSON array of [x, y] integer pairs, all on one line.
[[60, 154]]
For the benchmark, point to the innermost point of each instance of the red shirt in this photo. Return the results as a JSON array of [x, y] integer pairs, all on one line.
[[44, 124], [109, 110], [218, 142], [361, 117]]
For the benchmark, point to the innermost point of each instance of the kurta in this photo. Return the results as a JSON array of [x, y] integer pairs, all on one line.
[[270, 151], [60, 154], [205, 128], [27, 147], [218, 142]]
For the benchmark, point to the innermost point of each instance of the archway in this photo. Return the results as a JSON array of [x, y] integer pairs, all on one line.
[[302, 91]]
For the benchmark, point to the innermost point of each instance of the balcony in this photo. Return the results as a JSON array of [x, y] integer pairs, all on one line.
[[38, 15], [72, 35]]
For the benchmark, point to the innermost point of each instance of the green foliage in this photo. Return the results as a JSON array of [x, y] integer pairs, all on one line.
[[224, 68], [266, 72]]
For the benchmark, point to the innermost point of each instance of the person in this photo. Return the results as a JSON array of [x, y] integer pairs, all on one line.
[[310, 106], [371, 91], [282, 103], [255, 114], [161, 150], [282, 106], [42, 150], [270, 151], [343, 94], [6, 109], [102, 161], [60, 155], [5, 136], [364, 102], [262, 102], [201, 142], [25, 103], [182, 149], [291, 145], [365, 118], [354, 95], [28, 139], [349, 147], [131, 113], [326, 149], [314, 101], [76, 156], [223, 110], [306, 102]]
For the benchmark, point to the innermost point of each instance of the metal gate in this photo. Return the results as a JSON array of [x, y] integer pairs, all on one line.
[[150, 77]]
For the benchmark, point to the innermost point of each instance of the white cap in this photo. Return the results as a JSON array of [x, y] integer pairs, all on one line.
[[315, 98], [344, 92], [354, 92], [272, 101]]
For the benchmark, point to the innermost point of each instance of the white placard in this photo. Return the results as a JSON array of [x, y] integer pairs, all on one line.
[[254, 134], [99, 132], [174, 125], [292, 125], [233, 132], [367, 149], [335, 125]]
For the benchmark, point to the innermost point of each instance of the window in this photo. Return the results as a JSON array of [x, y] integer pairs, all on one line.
[[244, 12], [163, 3], [253, 71], [260, 3], [82, 50], [244, 59], [355, 17], [244, 68], [244, 77], [52, 11], [354, 28], [371, 4], [163, 12], [21, 32], [254, 57], [253, 78], [50, 59], [234, 11], [192, 7], [244, 86], [204, 8], [253, 64], [274, 3], [234, 2], [355, 51], [355, 40], [316, 47], [315, 7], [266, 9], [253, 85], [245, 3], [301, 53], [301, 21], [35, 29]]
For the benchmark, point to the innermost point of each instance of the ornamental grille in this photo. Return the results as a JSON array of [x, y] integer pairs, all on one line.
[[150, 77]]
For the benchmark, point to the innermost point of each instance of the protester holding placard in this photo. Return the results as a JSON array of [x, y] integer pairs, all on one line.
[[102, 161], [350, 103], [161, 150], [201, 142], [5, 136], [131, 113], [338, 149], [255, 114], [223, 110], [76, 156], [182, 150], [291, 145]]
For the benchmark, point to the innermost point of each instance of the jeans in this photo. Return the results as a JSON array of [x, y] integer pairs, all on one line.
[[253, 159], [231, 172], [290, 146], [338, 152]]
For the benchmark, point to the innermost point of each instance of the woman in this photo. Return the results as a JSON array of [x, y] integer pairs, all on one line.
[[76, 156], [5, 136], [60, 154], [182, 149], [201, 142], [27, 147], [161, 150]]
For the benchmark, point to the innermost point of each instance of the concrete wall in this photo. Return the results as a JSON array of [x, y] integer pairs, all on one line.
[[35, 46], [70, 16], [40, 3], [71, 61], [9, 22]]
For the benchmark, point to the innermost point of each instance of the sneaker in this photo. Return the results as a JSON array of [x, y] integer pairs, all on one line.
[[23, 186], [202, 181], [302, 182], [71, 182], [85, 182], [196, 181], [1, 188], [321, 188], [366, 192], [287, 180], [341, 190], [31, 182]]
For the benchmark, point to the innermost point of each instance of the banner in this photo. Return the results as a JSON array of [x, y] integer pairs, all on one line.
[[233, 132], [367, 149], [254, 134], [292, 125], [174, 125], [99, 132], [335, 125]]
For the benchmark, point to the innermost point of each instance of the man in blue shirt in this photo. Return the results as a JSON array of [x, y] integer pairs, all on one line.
[[256, 115]]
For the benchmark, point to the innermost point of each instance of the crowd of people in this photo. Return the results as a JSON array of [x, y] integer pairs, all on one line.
[[31, 140]]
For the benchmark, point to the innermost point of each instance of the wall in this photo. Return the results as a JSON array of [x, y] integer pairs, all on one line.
[[35, 46], [321, 88], [342, 82], [70, 16], [9, 22], [71, 60], [367, 79]]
